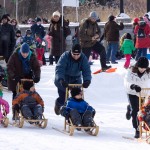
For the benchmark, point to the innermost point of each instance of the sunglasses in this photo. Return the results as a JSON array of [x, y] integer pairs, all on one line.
[[76, 54]]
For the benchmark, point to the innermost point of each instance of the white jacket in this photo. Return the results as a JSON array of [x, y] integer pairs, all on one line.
[[133, 78]]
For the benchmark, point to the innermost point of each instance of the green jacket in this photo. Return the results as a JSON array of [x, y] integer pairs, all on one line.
[[127, 46]]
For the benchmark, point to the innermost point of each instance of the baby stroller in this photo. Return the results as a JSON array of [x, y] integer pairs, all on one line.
[[68, 122], [20, 119], [4, 110], [143, 126]]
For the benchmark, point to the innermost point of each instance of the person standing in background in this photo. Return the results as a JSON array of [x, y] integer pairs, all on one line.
[[111, 34], [58, 36]]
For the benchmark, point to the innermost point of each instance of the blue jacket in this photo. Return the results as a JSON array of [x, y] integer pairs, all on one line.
[[80, 106], [72, 70]]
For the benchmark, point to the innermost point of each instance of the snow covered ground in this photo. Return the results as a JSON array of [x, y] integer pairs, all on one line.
[[106, 94]]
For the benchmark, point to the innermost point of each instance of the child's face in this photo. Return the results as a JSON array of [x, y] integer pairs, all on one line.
[[32, 89], [79, 96]]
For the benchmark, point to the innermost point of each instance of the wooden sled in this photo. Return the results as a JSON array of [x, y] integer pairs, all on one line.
[[19, 118], [143, 127], [68, 125], [4, 121], [19, 121]]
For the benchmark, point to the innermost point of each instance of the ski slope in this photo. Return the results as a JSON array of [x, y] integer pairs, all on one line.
[[106, 94]]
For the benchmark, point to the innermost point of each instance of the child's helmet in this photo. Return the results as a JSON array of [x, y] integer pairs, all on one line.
[[28, 31]]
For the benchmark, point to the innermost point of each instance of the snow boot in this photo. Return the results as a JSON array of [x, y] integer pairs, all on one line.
[[137, 134], [128, 113], [76, 118], [57, 107], [88, 119]]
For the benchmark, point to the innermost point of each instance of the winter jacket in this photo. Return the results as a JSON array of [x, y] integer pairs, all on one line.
[[133, 78], [111, 31], [6, 106], [142, 42], [58, 45], [38, 29], [80, 106], [87, 30], [127, 46], [28, 39], [23, 99], [7, 40], [72, 70], [15, 68]]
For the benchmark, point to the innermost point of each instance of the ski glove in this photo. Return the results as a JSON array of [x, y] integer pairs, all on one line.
[[86, 83], [18, 79], [36, 79], [135, 87], [63, 83]]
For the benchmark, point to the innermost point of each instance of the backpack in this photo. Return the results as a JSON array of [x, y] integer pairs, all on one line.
[[141, 33]]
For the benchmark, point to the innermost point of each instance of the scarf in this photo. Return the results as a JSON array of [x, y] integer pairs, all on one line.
[[25, 63]]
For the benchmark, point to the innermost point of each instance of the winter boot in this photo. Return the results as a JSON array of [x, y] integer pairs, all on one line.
[[137, 134], [76, 118], [57, 107], [88, 119], [128, 113]]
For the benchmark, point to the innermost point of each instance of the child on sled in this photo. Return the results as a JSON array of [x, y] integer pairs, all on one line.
[[144, 113], [76, 108], [29, 102]]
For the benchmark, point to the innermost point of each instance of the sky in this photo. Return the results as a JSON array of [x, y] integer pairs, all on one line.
[[106, 94]]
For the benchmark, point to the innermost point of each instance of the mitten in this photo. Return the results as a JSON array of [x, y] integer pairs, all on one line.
[[36, 79], [16, 108], [63, 83], [135, 87], [86, 84], [17, 79]]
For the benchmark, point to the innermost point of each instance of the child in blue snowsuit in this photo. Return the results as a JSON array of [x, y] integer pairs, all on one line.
[[76, 108]]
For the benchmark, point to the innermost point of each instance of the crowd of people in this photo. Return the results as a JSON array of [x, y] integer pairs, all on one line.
[[24, 56]]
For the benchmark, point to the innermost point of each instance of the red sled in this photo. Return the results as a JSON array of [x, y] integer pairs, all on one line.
[[110, 70]]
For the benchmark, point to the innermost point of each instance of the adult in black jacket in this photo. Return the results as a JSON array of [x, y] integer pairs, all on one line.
[[7, 38]]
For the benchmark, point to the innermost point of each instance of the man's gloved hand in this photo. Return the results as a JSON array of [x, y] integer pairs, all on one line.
[[36, 79], [86, 83], [17, 79], [135, 87], [63, 83]]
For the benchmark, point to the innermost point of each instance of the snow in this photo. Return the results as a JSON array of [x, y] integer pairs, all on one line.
[[106, 94], [123, 16]]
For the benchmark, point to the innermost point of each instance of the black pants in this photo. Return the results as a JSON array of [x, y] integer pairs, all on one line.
[[61, 99], [134, 103], [51, 59], [98, 48]]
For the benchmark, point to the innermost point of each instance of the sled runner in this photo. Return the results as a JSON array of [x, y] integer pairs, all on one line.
[[143, 126], [20, 119], [4, 120], [3, 117], [68, 125]]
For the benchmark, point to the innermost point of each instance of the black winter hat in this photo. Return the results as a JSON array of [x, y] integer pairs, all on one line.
[[75, 91], [142, 62], [76, 49], [37, 19], [5, 17], [111, 18], [18, 31], [27, 85]]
